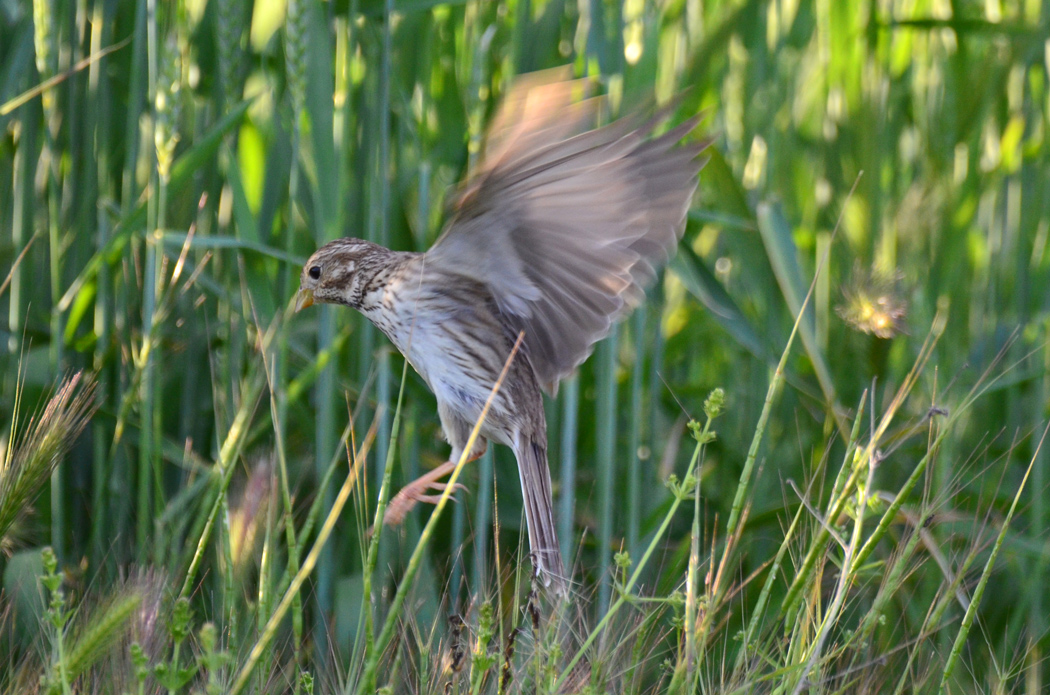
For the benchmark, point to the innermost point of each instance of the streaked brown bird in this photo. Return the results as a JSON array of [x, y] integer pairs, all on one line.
[[556, 233]]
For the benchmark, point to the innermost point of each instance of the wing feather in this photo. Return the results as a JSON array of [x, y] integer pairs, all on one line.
[[567, 226]]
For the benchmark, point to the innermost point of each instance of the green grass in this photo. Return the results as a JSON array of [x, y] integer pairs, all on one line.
[[870, 516]]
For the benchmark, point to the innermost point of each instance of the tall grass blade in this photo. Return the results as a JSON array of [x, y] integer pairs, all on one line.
[[982, 583], [570, 399], [606, 471]]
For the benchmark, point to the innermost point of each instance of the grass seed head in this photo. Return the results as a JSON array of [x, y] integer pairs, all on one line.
[[47, 438]]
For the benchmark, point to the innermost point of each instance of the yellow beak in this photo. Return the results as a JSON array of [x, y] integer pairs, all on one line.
[[304, 299]]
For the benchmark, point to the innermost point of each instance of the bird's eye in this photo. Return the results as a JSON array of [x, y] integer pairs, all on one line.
[[315, 272]]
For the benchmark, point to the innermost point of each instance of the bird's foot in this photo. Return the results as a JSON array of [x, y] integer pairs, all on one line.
[[419, 490]]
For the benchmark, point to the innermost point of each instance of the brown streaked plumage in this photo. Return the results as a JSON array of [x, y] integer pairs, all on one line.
[[556, 234]]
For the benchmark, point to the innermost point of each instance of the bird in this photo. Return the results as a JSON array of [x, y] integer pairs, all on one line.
[[554, 236]]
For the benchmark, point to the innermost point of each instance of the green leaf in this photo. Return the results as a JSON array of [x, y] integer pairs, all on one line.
[[783, 256]]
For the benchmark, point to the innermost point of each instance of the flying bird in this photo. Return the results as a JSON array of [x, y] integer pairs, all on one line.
[[555, 233]]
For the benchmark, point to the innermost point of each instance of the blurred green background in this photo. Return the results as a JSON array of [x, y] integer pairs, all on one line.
[[165, 168]]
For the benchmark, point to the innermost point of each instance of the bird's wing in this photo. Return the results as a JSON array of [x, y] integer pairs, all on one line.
[[564, 225]]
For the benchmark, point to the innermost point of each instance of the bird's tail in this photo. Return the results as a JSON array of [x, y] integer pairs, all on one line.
[[539, 513]]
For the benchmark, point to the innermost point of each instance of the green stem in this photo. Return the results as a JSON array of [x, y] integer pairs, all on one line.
[[63, 674], [636, 574], [569, 431], [978, 593], [231, 449], [839, 497], [297, 582], [393, 618], [147, 400], [606, 472], [635, 463], [377, 529]]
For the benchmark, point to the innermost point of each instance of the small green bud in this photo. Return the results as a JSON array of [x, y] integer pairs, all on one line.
[[180, 620], [209, 637], [50, 560], [141, 664], [138, 656], [715, 404], [485, 613]]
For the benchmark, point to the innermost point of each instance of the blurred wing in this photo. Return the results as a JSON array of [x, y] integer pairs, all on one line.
[[567, 229]]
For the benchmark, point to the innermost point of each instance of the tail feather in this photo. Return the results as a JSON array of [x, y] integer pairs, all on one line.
[[539, 512]]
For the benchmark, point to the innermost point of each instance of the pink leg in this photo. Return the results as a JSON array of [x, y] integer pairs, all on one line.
[[415, 492]]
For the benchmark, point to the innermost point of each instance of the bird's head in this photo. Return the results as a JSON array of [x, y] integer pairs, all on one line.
[[333, 275]]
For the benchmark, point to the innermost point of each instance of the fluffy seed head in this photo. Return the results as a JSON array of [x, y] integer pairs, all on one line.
[[872, 303]]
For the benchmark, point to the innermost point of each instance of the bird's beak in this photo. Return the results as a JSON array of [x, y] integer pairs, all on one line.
[[304, 299]]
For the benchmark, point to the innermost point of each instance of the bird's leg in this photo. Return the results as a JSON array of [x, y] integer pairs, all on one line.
[[417, 490]]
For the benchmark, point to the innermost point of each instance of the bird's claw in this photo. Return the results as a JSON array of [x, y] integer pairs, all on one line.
[[416, 491]]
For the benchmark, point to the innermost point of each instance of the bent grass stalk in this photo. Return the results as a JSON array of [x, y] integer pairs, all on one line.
[[692, 593], [778, 377], [277, 412], [231, 449], [150, 339], [818, 543], [368, 680], [763, 597], [983, 384], [840, 495], [971, 610], [893, 582], [384, 494], [844, 583], [308, 566], [626, 590], [935, 614], [737, 512], [50, 83], [264, 596], [315, 507]]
